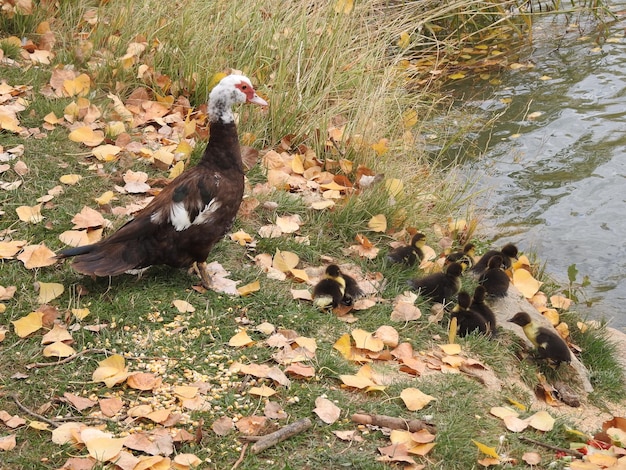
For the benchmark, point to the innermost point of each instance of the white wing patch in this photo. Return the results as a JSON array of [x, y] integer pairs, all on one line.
[[179, 217], [206, 214]]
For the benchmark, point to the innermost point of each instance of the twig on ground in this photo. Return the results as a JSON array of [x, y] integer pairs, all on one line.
[[37, 365], [392, 422], [263, 442], [575, 453], [32, 413], [240, 459]]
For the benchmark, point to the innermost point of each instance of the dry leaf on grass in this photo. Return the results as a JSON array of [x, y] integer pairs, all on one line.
[[326, 410], [414, 399]]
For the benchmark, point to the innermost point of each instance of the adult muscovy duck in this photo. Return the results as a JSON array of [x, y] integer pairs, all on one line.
[[183, 222]]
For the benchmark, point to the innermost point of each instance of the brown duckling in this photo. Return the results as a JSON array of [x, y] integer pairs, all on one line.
[[549, 344], [494, 279], [508, 253], [468, 321], [465, 257], [409, 254], [479, 306], [440, 287]]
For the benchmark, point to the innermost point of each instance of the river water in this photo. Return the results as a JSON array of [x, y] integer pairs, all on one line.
[[556, 185]]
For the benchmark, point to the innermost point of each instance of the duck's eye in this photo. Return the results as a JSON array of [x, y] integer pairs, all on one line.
[[244, 87]]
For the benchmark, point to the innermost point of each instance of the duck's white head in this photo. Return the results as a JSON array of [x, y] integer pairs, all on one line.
[[230, 90]]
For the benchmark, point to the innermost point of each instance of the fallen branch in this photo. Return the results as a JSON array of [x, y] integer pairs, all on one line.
[[263, 442], [392, 422], [241, 455], [37, 365], [32, 413], [575, 453]]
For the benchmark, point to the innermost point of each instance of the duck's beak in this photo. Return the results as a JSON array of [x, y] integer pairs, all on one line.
[[256, 99]]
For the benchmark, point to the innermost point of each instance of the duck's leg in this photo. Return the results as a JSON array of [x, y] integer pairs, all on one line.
[[201, 270]]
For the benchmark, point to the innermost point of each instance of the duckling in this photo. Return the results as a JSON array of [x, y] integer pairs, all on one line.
[[329, 291], [494, 279], [549, 344], [465, 257], [440, 286], [352, 290], [508, 253], [409, 254], [479, 306], [335, 288], [468, 320]]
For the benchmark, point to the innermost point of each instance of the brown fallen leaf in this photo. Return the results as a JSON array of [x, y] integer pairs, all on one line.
[[222, 426], [326, 410]]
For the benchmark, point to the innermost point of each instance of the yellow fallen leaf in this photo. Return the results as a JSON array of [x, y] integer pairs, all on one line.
[[456, 76], [558, 301], [263, 391], [414, 399], [241, 237], [28, 324], [344, 346], [503, 411], [78, 86], [541, 421], [284, 261], [365, 340], [409, 118], [183, 306], [378, 223], [8, 249], [30, 214], [517, 404], [356, 381], [80, 313], [104, 448], [289, 224], [299, 275], [241, 339], [49, 291], [56, 334], [344, 6], [39, 425], [451, 349], [490, 451], [37, 256], [381, 147], [111, 371], [186, 461], [452, 330], [58, 349], [552, 315], [86, 135], [249, 288], [177, 169], [526, 283], [106, 153], [105, 198], [70, 179], [394, 187], [404, 41]]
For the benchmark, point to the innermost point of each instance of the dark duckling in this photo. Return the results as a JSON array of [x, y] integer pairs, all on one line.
[[409, 254], [352, 290], [508, 253], [329, 291], [440, 287], [335, 288], [468, 321], [549, 344], [465, 257], [494, 279], [479, 306]]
